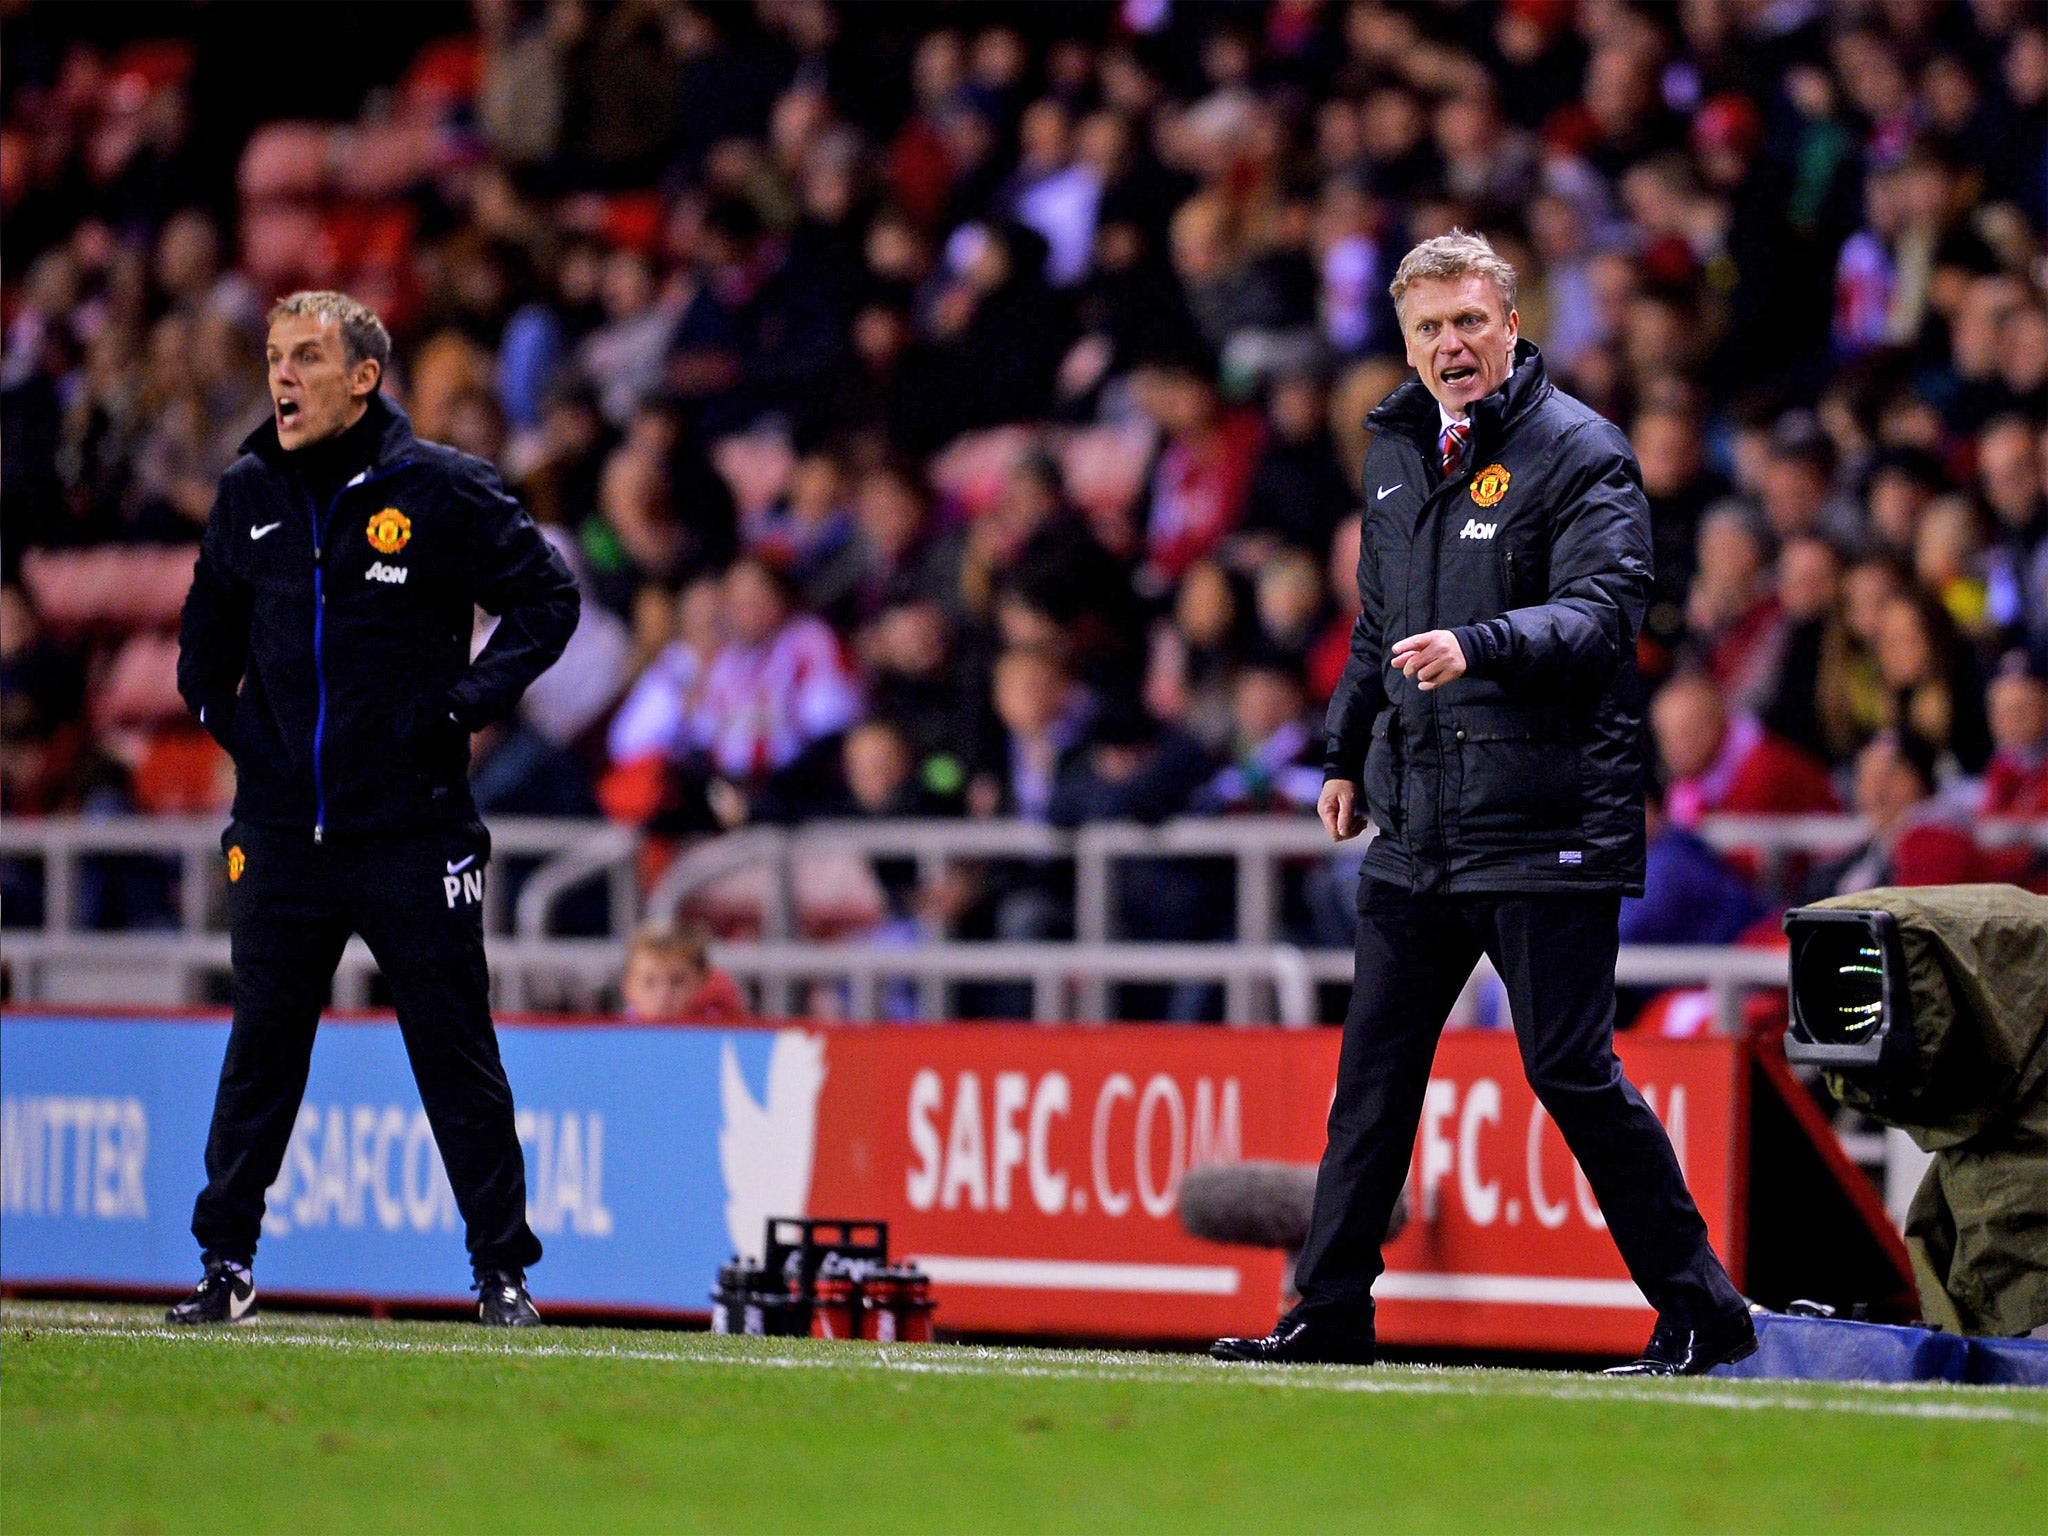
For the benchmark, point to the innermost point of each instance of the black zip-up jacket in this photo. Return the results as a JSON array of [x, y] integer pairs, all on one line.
[[326, 647], [1525, 774]]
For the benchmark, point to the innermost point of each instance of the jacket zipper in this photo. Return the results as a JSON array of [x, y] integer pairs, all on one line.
[[319, 626]]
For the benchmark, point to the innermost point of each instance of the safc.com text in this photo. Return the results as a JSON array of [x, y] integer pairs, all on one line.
[[991, 1146], [1012, 1140], [1511, 1172]]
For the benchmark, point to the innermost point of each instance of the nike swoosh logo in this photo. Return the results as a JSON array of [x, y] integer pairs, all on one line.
[[1387, 490], [460, 865], [238, 1306], [257, 533]]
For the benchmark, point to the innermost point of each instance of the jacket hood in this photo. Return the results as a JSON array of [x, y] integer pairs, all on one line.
[[1411, 410], [390, 425]]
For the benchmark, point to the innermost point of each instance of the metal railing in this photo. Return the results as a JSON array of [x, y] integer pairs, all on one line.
[[1263, 983], [565, 856], [61, 844]]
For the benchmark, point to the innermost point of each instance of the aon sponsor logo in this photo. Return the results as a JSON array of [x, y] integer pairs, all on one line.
[[393, 574], [1475, 529]]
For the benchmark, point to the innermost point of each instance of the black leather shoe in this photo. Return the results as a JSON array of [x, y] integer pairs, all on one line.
[[1676, 1350], [1294, 1341], [227, 1294], [502, 1302]]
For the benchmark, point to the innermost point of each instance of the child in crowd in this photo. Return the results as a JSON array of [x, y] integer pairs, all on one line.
[[670, 979]]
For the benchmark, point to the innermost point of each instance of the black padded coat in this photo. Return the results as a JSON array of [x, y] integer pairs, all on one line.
[[1526, 773]]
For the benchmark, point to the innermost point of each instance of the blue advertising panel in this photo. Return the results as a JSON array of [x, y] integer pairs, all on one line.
[[105, 1131]]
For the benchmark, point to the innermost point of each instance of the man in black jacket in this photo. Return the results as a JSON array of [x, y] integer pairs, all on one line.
[[325, 644], [1490, 713]]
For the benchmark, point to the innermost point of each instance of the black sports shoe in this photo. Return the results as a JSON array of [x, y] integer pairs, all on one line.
[[1676, 1350], [502, 1302], [1295, 1341], [226, 1295]]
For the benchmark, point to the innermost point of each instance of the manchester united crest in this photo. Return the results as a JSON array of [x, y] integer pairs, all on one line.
[[1489, 485], [237, 862], [390, 529]]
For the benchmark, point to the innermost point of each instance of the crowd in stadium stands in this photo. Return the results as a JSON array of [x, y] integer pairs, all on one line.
[[955, 411]]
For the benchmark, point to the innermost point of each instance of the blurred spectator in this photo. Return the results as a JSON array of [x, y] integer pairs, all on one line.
[[993, 336], [626, 353], [1937, 693], [1915, 838], [1326, 659], [810, 535], [777, 686], [921, 679], [1044, 715], [2016, 781], [1796, 483], [1132, 768], [533, 765], [1057, 584], [756, 335], [1732, 610], [654, 722], [669, 979], [703, 277], [42, 699], [1718, 765], [1811, 639], [1203, 473], [1191, 656], [1690, 894], [2012, 479], [1298, 493], [1276, 758], [1680, 488]]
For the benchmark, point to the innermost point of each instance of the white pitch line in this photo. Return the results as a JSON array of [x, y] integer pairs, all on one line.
[[978, 1361]]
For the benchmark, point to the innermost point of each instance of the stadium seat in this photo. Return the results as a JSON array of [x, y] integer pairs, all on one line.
[[284, 160], [141, 687], [182, 773], [109, 589]]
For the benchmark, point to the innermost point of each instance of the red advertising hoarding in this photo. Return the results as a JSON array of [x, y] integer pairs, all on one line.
[[1034, 1172]]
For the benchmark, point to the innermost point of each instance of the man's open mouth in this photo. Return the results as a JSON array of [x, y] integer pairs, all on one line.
[[287, 412], [1458, 374]]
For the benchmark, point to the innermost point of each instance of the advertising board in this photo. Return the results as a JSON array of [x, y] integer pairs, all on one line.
[[1033, 1171]]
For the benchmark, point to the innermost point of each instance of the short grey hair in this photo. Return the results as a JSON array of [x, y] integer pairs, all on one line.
[[1454, 255], [362, 333]]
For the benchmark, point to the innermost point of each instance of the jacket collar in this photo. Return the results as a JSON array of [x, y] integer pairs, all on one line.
[[390, 426], [1411, 410]]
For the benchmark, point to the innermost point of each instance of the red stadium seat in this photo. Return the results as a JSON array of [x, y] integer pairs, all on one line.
[[113, 588], [141, 687], [284, 160], [182, 773]]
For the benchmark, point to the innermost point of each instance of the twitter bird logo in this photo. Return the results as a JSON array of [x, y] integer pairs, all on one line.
[[765, 1150]]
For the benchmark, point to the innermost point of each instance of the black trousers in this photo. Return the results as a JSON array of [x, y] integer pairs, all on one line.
[[417, 900], [1555, 953]]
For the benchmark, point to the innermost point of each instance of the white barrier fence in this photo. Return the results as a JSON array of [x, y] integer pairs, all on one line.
[[865, 981], [532, 970], [562, 857]]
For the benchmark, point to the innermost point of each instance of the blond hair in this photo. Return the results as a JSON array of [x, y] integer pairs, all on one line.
[[362, 333], [1454, 255], [666, 941]]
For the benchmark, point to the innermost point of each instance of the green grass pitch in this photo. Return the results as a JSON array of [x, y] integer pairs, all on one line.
[[110, 1423]]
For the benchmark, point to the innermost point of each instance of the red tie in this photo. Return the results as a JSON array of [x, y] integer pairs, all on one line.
[[1451, 447]]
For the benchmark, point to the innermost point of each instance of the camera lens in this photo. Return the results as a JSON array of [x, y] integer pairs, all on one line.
[[1839, 979]]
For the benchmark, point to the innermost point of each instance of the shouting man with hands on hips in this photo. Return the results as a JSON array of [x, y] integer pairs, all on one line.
[[1489, 721], [326, 645]]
